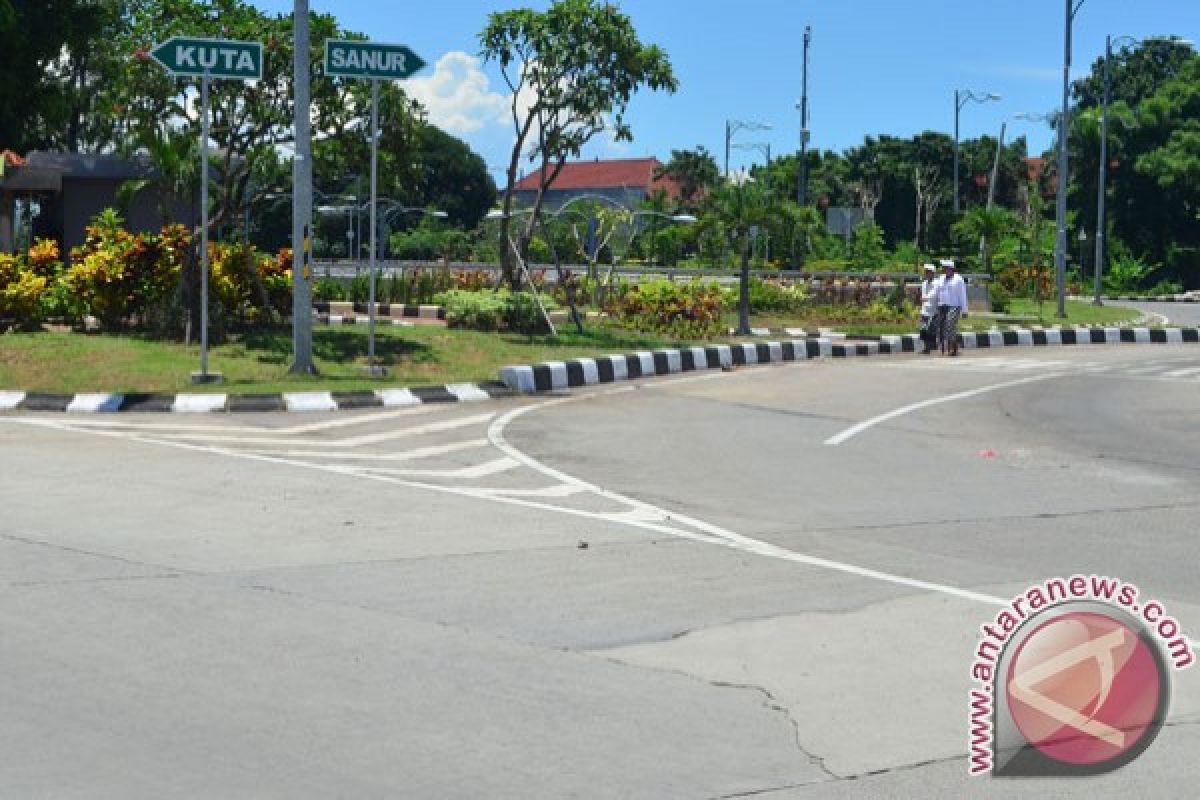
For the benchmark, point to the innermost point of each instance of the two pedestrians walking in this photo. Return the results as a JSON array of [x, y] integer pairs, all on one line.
[[943, 303]]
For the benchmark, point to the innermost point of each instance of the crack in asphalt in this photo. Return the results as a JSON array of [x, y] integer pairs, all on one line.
[[772, 703], [12, 537]]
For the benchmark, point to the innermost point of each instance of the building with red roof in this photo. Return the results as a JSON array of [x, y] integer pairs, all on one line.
[[627, 181]]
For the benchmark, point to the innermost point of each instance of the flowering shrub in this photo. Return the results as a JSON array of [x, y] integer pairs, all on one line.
[[247, 285], [685, 310], [21, 290], [119, 277], [770, 295]]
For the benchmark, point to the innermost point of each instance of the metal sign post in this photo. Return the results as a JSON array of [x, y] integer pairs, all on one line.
[[206, 59], [357, 59], [204, 376], [373, 369]]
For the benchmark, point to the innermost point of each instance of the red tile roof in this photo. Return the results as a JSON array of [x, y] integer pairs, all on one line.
[[608, 174]]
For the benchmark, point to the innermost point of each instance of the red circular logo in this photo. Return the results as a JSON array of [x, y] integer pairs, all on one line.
[[1085, 688]]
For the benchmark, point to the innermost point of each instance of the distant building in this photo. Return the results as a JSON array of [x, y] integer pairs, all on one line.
[[54, 195], [627, 181]]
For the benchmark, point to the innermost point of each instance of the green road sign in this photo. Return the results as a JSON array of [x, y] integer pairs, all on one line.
[[348, 59], [217, 58]]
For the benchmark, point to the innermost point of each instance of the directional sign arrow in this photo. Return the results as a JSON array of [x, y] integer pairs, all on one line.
[[217, 58], [354, 59]]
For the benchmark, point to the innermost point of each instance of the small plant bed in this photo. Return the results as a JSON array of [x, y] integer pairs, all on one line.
[[258, 361]]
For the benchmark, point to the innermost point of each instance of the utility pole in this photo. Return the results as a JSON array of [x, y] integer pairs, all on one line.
[[301, 198], [802, 176], [1098, 267], [1064, 130]]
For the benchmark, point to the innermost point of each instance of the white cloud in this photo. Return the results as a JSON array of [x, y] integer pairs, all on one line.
[[458, 95]]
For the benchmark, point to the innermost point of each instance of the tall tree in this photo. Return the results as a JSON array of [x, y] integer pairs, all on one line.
[[572, 70], [694, 171], [52, 51]]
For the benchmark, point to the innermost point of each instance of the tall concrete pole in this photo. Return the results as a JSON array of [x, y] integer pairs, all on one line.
[[302, 199], [1098, 268], [1060, 209], [802, 176]]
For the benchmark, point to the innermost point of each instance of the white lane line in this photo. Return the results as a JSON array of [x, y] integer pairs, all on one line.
[[403, 455], [474, 471], [641, 515], [556, 490], [355, 441], [1179, 373], [873, 421], [284, 431], [642, 511]]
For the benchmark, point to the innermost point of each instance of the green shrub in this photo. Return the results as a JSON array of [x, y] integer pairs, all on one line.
[[775, 295], [327, 290], [480, 311], [492, 311], [691, 310], [1165, 287], [118, 277], [1001, 298]]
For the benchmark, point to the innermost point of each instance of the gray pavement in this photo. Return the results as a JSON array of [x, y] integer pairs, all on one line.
[[674, 589]]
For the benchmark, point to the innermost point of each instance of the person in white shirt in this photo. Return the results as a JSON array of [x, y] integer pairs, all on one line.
[[929, 308], [952, 304]]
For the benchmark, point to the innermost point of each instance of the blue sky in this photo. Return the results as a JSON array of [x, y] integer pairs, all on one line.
[[876, 66]]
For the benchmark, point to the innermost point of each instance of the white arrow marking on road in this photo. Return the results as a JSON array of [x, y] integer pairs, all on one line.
[[873, 421]]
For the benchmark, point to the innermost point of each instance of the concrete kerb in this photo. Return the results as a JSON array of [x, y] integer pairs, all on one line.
[[551, 376], [97, 402], [579, 372]]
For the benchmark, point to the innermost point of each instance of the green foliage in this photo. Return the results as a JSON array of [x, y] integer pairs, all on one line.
[[247, 286], [694, 171], [492, 311], [866, 247], [1001, 298], [21, 292], [327, 290], [770, 295], [1125, 273], [691, 310], [986, 225], [123, 278], [581, 62]]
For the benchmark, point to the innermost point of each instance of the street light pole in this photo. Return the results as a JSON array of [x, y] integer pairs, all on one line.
[[1064, 130], [1098, 267], [961, 98]]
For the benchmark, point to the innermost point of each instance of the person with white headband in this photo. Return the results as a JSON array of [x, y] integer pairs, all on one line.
[[952, 304]]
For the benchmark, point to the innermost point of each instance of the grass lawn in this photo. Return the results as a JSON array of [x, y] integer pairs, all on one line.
[[258, 362], [1079, 312]]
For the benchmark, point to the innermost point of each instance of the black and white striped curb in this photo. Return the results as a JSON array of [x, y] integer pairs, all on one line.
[[285, 401], [340, 309], [555, 375], [1149, 298]]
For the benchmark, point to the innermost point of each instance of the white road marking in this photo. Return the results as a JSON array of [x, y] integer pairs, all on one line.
[[403, 455], [474, 471], [355, 441], [640, 515], [873, 421], [1179, 373], [341, 422]]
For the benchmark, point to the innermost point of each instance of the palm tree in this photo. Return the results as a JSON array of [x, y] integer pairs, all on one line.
[[986, 226], [742, 205]]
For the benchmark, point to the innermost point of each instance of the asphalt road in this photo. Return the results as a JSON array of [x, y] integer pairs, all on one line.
[[765, 583], [1187, 314]]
